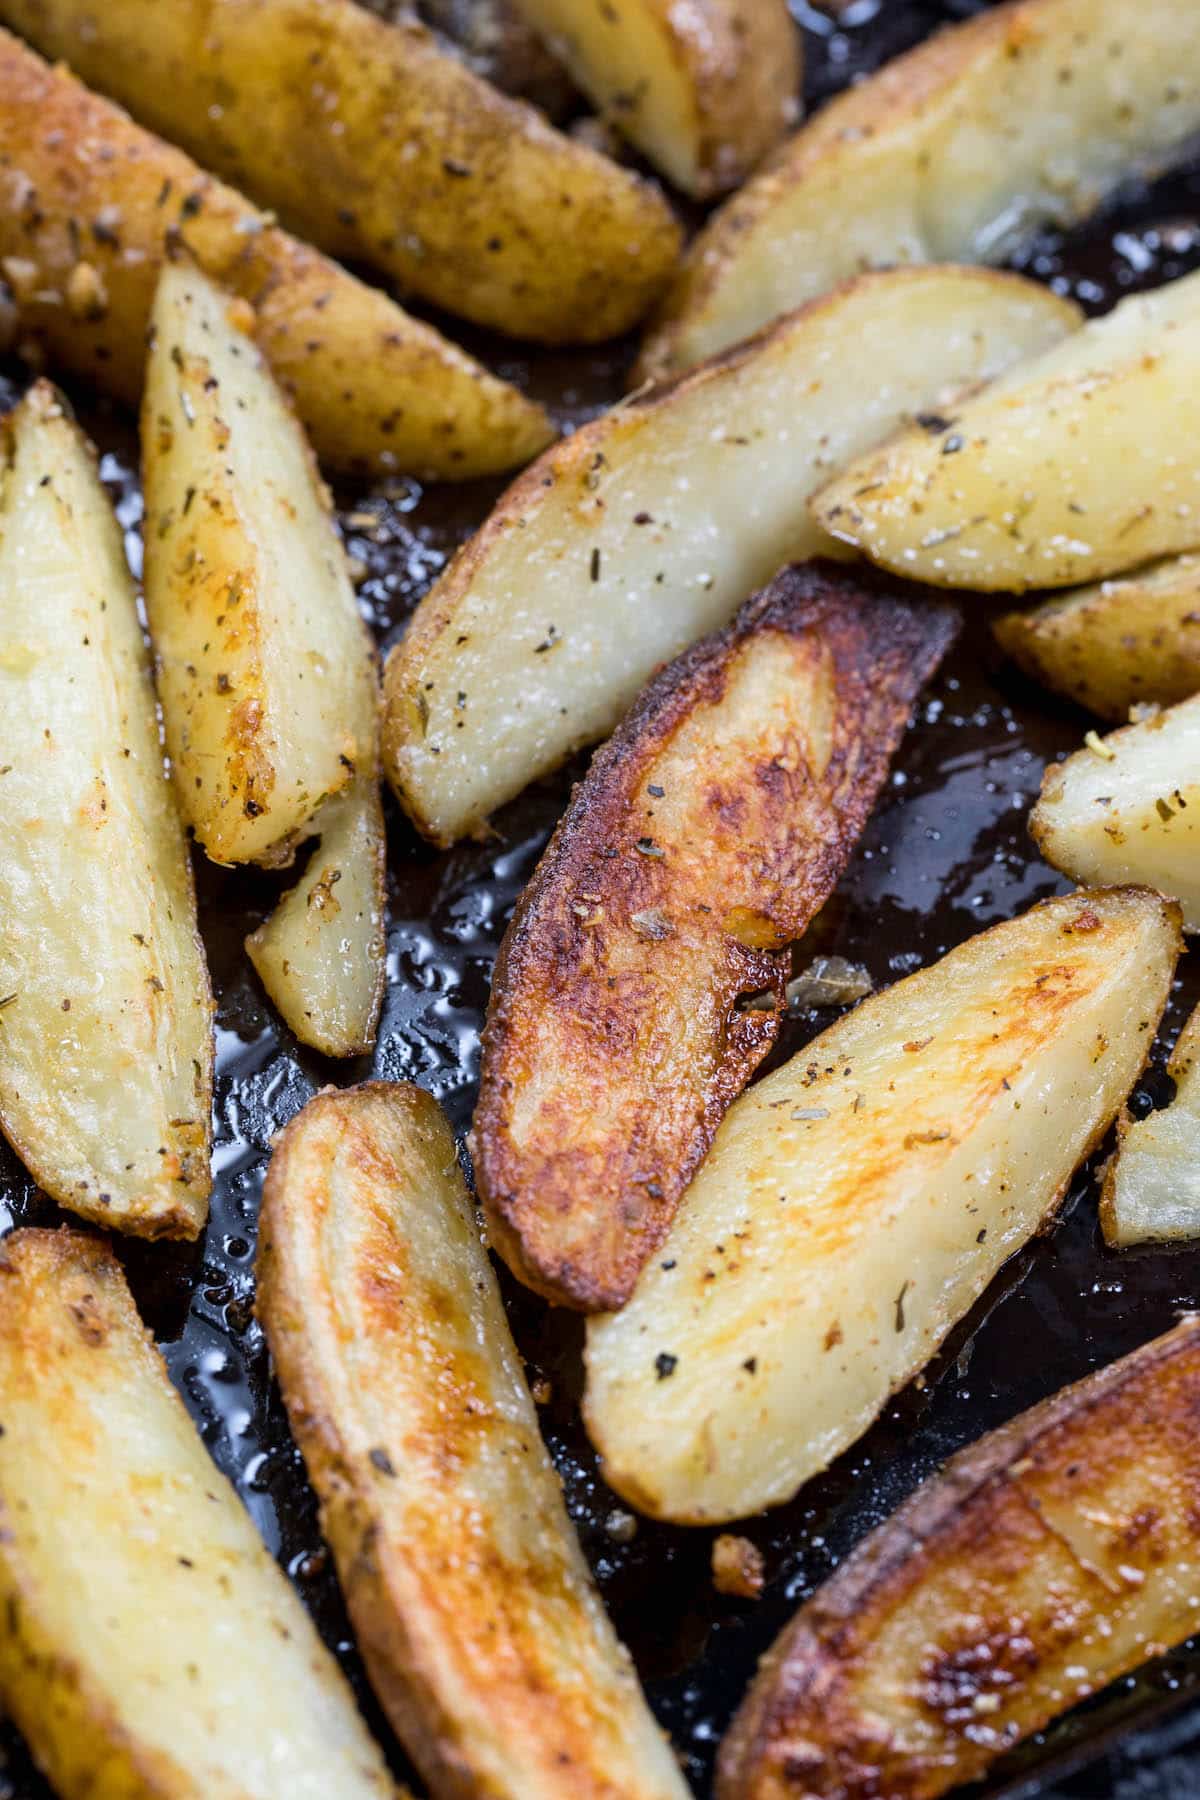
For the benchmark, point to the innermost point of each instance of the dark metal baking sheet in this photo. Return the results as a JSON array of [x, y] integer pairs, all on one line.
[[945, 854]]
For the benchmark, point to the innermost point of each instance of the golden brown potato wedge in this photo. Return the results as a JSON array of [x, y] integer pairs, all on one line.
[[704, 89], [647, 528], [483, 1635], [320, 955], [957, 152], [105, 1011], [1152, 1186], [90, 206], [266, 671], [1070, 467], [381, 147], [1127, 808], [856, 1203], [706, 835], [1048, 1559], [153, 1649], [1115, 644]]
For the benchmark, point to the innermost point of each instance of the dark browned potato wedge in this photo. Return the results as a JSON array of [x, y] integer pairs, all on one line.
[[153, 1649], [483, 1635], [382, 148], [1029, 114], [708, 832], [1041, 1564], [91, 205]]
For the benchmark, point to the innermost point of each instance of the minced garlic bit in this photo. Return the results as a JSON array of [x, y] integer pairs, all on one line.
[[737, 1567], [87, 296], [1098, 747]]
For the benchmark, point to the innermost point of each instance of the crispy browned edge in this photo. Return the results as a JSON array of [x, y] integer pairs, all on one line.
[[885, 639], [802, 1669], [901, 87]]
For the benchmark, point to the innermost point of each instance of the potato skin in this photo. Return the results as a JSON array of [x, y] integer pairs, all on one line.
[[705, 836], [83, 187], [484, 1638], [382, 148], [1038, 1566]]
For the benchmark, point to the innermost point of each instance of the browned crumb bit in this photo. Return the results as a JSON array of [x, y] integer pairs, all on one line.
[[737, 1567]]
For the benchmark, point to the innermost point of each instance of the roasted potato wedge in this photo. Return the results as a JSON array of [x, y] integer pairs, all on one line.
[[266, 670], [957, 152], [154, 1650], [90, 206], [380, 147], [704, 90], [483, 1636], [647, 528], [1127, 808], [1068, 468], [855, 1203], [1042, 1563], [707, 834], [1115, 644], [105, 1010], [320, 955], [1152, 1185]]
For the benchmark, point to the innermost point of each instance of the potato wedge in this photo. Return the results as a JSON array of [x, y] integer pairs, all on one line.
[[382, 148], [1115, 644], [856, 1203], [1048, 1559], [320, 955], [1068, 468], [704, 90], [154, 1650], [1152, 1185], [105, 1011], [483, 1635], [90, 205], [706, 835], [957, 152], [647, 528], [1127, 808], [266, 670]]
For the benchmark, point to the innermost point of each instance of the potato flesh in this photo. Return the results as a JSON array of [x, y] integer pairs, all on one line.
[[1115, 644], [380, 147], [483, 1635], [1068, 468], [855, 1204], [1130, 811], [156, 1639], [266, 672], [105, 1013], [1042, 1563], [705, 837], [1152, 1186], [320, 955], [704, 89], [1027, 115], [646, 529]]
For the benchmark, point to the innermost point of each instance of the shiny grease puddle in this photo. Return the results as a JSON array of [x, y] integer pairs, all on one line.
[[945, 854]]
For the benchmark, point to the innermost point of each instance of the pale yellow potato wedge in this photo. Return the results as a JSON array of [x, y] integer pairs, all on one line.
[[1115, 644], [105, 1010], [483, 1636], [1152, 1185], [266, 671], [320, 955], [91, 205], [857, 1202], [1029, 114], [1127, 808], [381, 147], [1053, 1556], [703, 89], [154, 1650], [646, 529], [1070, 467]]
